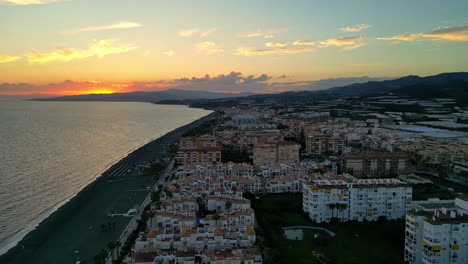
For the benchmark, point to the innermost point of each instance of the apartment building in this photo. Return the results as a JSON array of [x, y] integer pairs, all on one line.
[[321, 144], [218, 169], [347, 198], [177, 225], [375, 164], [198, 142], [271, 153], [198, 155], [246, 141], [437, 232]]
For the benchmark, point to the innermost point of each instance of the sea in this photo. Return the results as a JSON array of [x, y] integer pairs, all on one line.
[[49, 151]]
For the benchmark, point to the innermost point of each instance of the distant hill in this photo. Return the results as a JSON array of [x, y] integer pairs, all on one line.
[[445, 85], [147, 96]]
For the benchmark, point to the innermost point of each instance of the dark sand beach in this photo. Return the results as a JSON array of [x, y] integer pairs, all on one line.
[[79, 229]]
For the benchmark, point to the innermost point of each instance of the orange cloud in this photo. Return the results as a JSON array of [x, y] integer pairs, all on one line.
[[6, 58], [118, 25], [453, 33], [304, 43], [27, 2], [276, 44], [169, 53], [209, 48], [355, 28], [408, 37], [208, 32], [343, 41], [353, 47], [98, 49], [188, 32], [260, 33], [248, 51]]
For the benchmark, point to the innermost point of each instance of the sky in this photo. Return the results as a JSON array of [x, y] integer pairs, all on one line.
[[66, 47]]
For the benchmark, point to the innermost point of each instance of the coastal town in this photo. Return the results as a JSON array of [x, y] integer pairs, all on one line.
[[345, 162]]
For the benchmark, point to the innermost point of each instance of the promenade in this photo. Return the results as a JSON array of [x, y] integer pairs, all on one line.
[[82, 227]]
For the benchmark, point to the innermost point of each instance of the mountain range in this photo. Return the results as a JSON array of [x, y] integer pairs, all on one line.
[[445, 85], [154, 97]]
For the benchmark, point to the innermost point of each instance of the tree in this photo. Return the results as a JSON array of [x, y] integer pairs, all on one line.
[[111, 246], [228, 206], [234, 189], [332, 207], [216, 217]]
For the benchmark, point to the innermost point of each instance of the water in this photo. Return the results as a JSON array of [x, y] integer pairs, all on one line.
[[51, 150]]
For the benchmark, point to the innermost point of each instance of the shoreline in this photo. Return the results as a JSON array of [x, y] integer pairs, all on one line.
[[63, 210]]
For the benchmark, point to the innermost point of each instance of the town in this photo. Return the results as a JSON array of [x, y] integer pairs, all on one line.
[[356, 162]]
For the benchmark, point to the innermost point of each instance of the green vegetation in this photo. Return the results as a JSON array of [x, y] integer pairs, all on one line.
[[369, 242], [154, 170], [204, 128], [231, 153]]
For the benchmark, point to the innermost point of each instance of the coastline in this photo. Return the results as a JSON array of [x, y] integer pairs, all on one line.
[[63, 212]]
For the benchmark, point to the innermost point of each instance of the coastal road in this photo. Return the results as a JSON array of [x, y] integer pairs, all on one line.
[[134, 222]]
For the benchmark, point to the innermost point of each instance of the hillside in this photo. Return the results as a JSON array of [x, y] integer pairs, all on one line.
[[147, 96]]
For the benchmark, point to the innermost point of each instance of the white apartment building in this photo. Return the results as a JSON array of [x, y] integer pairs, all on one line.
[[437, 232], [347, 198]]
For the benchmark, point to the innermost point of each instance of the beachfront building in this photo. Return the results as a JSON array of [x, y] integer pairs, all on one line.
[[199, 142], [192, 256], [198, 155], [271, 153], [204, 223], [347, 198], [375, 164], [322, 144], [218, 169], [245, 141], [437, 232], [206, 184], [291, 183]]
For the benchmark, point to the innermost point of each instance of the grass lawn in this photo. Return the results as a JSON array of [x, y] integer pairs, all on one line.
[[367, 242]]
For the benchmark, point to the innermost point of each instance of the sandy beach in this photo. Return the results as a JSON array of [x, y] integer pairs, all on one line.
[[79, 229]]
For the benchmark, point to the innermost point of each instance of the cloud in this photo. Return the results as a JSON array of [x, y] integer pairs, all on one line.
[[197, 32], [209, 48], [208, 32], [232, 82], [343, 41], [355, 28], [27, 2], [259, 33], [276, 44], [453, 33], [98, 49], [118, 25], [304, 43], [188, 32], [169, 53], [408, 37], [6, 58], [348, 48], [248, 51]]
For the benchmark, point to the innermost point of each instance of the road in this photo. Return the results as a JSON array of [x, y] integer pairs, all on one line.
[[134, 222]]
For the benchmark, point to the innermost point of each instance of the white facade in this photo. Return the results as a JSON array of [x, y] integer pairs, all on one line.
[[437, 232], [348, 198]]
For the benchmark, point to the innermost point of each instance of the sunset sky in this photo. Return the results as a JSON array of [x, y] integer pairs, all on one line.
[[100, 46]]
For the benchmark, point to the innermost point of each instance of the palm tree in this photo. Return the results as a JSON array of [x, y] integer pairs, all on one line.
[[332, 207], [228, 206], [341, 207], [216, 217], [111, 246]]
